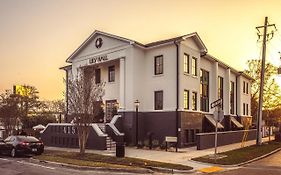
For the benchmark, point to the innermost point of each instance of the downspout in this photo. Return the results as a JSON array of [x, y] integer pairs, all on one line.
[[236, 94], [66, 97], [177, 92]]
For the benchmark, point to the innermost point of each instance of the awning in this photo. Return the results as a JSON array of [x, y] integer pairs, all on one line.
[[236, 123], [213, 122]]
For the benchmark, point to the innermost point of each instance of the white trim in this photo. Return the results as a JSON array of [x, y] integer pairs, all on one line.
[[212, 133], [112, 125], [94, 125], [98, 130], [109, 51]]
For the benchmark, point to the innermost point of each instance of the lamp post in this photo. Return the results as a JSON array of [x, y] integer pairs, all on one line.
[[137, 103], [103, 110]]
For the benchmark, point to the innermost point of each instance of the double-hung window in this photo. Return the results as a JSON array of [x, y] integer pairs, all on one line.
[[194, 66], [111, 73], [97, 76], [158, 100], [194, 101], [158, 65], [186, 99], [220, 89], [204, 90], [231, 97], [186, 63]]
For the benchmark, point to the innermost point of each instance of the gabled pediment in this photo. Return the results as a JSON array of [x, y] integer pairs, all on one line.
[[194, 41], [98, 42]]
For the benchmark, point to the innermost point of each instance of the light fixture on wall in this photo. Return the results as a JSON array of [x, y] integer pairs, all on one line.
[[137, 104]]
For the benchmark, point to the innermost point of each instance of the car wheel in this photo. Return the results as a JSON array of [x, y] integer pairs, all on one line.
[[13, 152]]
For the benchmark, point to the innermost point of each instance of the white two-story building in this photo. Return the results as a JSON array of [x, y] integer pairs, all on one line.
[[175, 81]]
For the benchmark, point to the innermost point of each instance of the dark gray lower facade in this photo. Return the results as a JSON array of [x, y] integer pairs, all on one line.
[[162, 124], [66, 135], [146, 129], [206, 140], [158, 124]]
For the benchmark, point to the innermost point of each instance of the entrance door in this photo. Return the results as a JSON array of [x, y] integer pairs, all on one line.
[[111, 109]]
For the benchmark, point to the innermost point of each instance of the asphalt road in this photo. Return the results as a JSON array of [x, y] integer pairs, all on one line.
[[27, 166], [270, 165]]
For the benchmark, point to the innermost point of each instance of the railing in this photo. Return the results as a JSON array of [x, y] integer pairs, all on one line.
[[112, 131], [98, 130]]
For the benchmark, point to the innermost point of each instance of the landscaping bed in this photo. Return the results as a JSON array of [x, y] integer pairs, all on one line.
[[241, 155], [96, 160]]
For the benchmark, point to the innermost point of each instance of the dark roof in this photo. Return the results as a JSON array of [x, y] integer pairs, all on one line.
[[66, 67], [163, 41], [210, 57]]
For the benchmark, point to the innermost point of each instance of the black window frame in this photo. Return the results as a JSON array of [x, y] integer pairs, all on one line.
[[111, 73], [194, 101], [158, 100], [220, 89], [158, 65], [247, 109], [186, 63], [232, 97], [186, 99], [244, 108], [204, 86], [195, 66], [97, 76]]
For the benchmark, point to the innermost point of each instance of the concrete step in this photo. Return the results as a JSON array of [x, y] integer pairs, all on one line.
[[110, 144]]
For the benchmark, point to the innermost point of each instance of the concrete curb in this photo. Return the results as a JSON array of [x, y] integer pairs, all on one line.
[[149, 169], [240, 164], [77, 167], [171, 171]]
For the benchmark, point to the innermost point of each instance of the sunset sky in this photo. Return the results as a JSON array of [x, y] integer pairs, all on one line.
[[37, 36]]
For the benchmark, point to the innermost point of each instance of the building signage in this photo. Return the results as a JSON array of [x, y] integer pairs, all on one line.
[[171, 139], [98, 59], [216, 103], [69, 130]]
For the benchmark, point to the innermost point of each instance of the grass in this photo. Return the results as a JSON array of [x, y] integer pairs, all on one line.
[[241, 155], [96, 160]]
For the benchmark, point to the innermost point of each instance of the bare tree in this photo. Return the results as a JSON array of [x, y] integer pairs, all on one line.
[[83, 95]]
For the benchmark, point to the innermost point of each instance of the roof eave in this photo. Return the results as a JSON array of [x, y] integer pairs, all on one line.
[[68, 67]]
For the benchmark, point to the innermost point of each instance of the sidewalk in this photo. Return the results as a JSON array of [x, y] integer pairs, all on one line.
[[183, 156]]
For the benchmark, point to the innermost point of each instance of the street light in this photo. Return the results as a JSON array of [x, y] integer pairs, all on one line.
[[137, 104], [102, 105]]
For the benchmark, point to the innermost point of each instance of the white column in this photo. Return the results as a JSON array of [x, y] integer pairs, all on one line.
[[122, 84], [226, 93], [214, 84], [239, 96]]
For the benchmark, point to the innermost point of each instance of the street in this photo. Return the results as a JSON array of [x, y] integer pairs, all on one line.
[[270, 165], [27, 166]]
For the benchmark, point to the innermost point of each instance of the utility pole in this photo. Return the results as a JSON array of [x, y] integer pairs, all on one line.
[[265, 38]]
